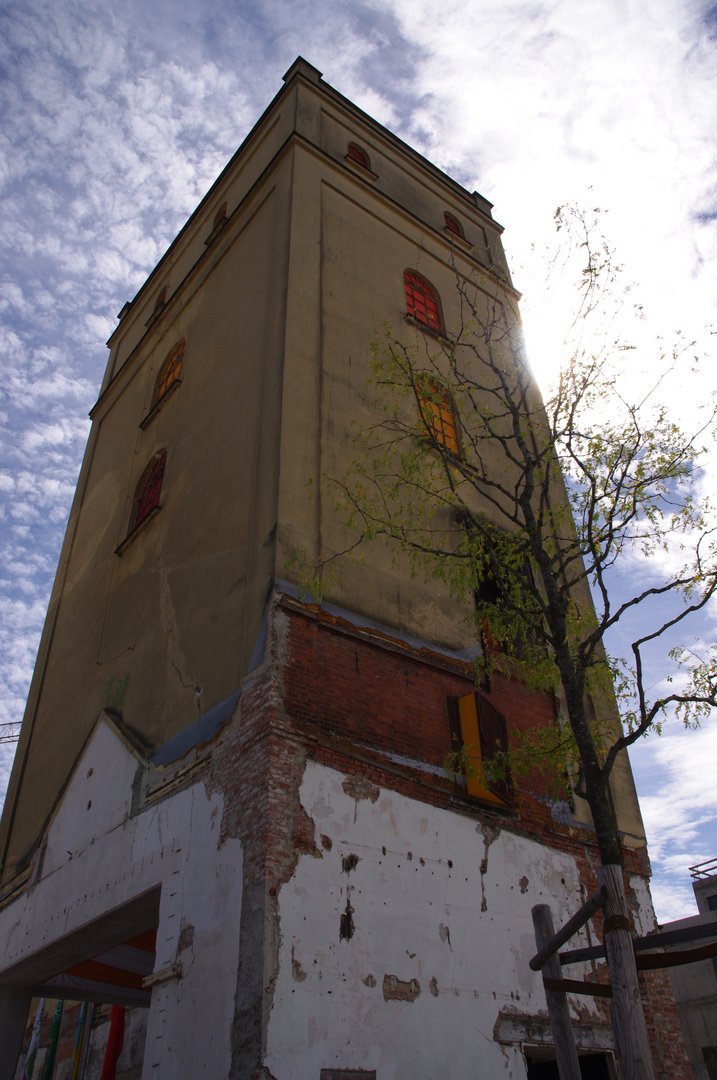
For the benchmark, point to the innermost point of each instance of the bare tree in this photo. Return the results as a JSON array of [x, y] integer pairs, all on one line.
[[529, 506]]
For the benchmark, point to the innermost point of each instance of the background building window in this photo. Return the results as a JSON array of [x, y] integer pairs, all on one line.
[[355, 153], [150, 488], [422, 301], [170, 372]]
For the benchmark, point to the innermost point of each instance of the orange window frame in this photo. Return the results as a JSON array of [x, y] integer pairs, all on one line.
[[170, 371], [439, 416], [482, 735]]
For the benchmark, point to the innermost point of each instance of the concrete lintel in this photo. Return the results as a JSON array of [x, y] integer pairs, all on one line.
[[87, 941]]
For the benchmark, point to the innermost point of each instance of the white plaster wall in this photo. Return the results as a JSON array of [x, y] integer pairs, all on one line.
[[98, 858], [465, 937]]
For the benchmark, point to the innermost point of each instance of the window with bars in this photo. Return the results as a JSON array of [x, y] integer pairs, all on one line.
[[149, 489], [452, 225], [422, 301], [357, 154], [439, 415], [169, 373], [477, 728]]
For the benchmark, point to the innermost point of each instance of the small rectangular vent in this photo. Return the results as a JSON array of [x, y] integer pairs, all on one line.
[[348, 1074]]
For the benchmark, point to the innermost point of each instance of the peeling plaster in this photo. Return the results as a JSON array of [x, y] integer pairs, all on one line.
[[332, 1017], [395, 989], [297, 972]]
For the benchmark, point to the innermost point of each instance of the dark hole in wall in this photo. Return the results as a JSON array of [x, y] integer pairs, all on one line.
[[709, 1054], [346, 928]]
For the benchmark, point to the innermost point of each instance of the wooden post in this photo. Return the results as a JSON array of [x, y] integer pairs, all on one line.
[[566, 1053], [628, 1020]]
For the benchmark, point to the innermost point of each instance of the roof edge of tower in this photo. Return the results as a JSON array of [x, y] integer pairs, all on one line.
[[303, 67]]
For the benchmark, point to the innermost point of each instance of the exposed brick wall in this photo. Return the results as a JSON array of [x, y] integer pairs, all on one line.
[[663, 1024], [356, 698], [348, 698]]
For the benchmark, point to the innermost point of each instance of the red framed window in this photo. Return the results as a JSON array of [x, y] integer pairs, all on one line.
[[355, 153], [421, 300], [170, 371], [452, 225], [150, 489]]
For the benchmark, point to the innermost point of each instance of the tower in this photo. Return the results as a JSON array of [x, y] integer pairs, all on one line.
[[229, 804]]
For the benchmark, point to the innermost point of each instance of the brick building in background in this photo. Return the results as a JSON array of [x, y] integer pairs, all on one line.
[[229, 805]]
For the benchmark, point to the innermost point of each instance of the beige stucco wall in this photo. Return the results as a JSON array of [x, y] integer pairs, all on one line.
[[278, 314], [163, 632]]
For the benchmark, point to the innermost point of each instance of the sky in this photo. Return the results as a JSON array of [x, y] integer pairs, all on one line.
[[117, 118]]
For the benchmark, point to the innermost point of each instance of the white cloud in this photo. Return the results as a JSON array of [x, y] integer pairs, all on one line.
[[680, 812]]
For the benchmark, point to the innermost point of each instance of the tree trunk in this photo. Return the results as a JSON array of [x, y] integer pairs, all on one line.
[[628, 1019]]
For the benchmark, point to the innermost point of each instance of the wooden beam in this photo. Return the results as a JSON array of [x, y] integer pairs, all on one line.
[[655, 961], [566, 1053], [577, 986], [593, 904], [650, 941]]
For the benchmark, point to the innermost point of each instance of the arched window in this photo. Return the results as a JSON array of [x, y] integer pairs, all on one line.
[[169, 373], [355, 153], [422, 301], [159, 305], [149, 488], [452, 225], [438, 414]]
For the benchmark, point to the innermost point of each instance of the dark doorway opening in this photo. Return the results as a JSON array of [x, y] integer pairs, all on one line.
[[596, 1066]]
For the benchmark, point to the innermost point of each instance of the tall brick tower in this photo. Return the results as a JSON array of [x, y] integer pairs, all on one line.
[[229, 806]]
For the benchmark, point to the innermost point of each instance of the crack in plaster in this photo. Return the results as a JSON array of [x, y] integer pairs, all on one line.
[[490, 834], [175, 657]]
